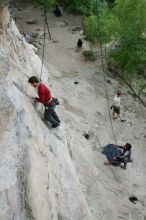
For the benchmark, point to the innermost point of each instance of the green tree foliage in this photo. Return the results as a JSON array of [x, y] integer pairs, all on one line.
[[50, 3], [91, 30], [92, 26], [125, 24], [110, 3], [79, 6], [105, 24]]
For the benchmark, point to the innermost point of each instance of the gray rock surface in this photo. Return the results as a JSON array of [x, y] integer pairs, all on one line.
[[37, 177]]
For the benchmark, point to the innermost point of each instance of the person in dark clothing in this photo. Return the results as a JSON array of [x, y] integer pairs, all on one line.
[[79, 43], [126, 155], [57, 11], [117, 154], [45, 97]]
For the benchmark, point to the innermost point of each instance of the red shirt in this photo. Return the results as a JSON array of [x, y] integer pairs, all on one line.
[[43, 93]]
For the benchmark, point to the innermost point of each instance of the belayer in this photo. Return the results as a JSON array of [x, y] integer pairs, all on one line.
[[45, 97], [117, 154]]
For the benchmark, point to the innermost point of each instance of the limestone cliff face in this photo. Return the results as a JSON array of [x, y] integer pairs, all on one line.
[[37, 177]]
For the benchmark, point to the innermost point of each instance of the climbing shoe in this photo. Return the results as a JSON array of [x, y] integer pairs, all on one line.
[[55, 126], [123, 120]]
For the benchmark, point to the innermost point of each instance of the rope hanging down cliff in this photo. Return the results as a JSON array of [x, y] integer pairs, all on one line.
[[104, 74], [44, 41], [43, 54]]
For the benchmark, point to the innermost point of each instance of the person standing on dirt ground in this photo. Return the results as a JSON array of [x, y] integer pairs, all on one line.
[[45, 97], [79, 43], [58, 11], [116, 106]]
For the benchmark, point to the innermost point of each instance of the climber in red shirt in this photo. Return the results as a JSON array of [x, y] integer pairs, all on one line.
[[45, 97]]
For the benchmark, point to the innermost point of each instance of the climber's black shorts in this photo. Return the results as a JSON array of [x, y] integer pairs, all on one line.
[[116, 109]]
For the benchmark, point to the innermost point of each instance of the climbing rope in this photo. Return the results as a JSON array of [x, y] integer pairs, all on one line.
[[48, 26], [104, 74], [43, 54], [45, 24]]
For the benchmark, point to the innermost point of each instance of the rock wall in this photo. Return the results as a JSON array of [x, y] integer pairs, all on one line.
[[37, 177]]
